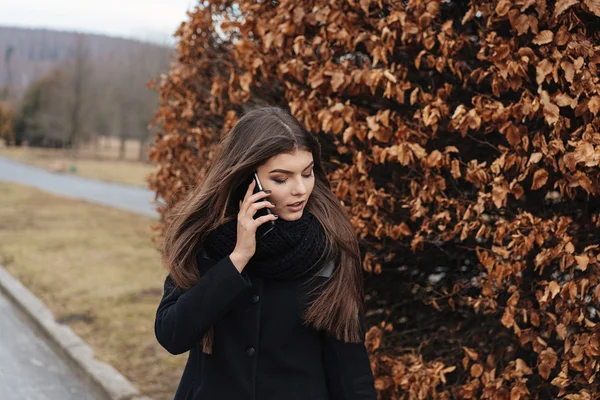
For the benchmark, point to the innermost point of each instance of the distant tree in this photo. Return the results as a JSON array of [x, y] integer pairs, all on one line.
[[135, 104], [55, 110], [6, 91], [27, 124], [55, 113], [78, 87], [6, 123]]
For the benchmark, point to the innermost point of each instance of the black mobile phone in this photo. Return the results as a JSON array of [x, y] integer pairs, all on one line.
[[268, 226]]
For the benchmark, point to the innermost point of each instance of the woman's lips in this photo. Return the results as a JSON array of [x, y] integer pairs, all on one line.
[[296, 208]]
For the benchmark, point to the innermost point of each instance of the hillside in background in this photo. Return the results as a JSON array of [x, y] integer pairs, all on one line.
[[27, 54], [68, 88]]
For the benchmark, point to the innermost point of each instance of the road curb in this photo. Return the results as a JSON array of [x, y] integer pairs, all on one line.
[[100, 374]]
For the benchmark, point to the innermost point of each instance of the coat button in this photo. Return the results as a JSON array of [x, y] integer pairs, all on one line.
[[250, 351], [255, 298]]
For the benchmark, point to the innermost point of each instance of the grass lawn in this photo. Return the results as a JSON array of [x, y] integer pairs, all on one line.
[[111, 170], [97, 270]]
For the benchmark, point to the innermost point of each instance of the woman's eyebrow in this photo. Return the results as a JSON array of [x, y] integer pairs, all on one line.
[[290, 172]]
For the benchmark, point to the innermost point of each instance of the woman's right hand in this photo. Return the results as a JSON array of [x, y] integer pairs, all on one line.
[[246, 227]]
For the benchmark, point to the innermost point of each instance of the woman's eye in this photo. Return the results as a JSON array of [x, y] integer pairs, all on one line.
[[280, 182]]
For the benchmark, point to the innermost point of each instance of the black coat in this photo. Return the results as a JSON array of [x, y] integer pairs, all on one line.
[[261, 349]]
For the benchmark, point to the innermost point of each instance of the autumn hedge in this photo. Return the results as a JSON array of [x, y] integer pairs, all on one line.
[[463, 138]]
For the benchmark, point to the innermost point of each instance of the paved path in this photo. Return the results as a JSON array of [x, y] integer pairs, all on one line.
[[29, 368], [125, 197]]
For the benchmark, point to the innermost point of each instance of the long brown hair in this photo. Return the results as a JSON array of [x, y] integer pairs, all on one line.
[[258, 135]]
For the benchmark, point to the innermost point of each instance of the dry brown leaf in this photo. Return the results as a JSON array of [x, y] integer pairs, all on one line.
[[348, 134], [563, 5], [455, 169], [405, 155], [508, 318], [594, 104], [502, 7], [390, 76], [534, 158], [525, 4], [364, 5], [561, 330], [542, 70], [414, 96], [434, 158], [316, 80], [513, 136], [544, 37], [419, 57], [404, 229], [562, 36], [593, 5], [584, 153], [499, 193], [563, 100], [245, 81], [554, 288], [551, 111], [522, 367], [539, 179], [417, 150], [569, 70], [582, 261], [337, 80], [546, 362], [517, 191], [373, 338], [476, 370], [586, 183], [471, 353]]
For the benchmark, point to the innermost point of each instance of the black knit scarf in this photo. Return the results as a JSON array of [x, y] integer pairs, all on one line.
[[290, 251]]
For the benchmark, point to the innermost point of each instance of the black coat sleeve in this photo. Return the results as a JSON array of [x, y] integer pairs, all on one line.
[[348, 369], [183, 317]]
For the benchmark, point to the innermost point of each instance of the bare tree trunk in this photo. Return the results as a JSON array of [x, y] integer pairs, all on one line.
[[6, 93], [144, 137], [128, 105], [122, 133], [122, 148], [97, 147], [143, 154], [75, 117]]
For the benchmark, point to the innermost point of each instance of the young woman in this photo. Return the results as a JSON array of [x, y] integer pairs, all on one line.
[[277, 316]]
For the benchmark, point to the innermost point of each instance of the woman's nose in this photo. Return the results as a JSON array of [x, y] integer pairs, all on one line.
[[300, 189]]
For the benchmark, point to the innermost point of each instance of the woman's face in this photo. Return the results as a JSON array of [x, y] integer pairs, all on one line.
[[290, 178]]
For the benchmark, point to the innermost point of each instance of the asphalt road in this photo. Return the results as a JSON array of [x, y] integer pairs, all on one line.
[[29, 368], [125, 197]]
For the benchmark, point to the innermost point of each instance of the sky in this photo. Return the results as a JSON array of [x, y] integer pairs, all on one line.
[[149, 20]]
